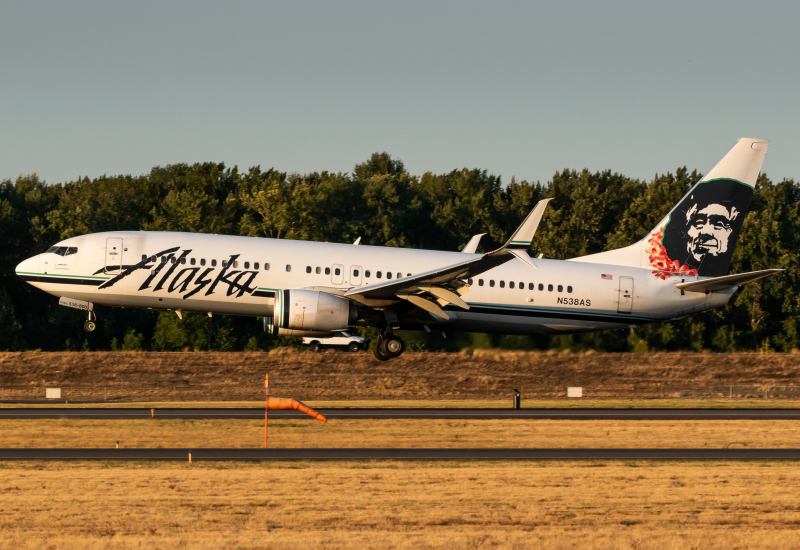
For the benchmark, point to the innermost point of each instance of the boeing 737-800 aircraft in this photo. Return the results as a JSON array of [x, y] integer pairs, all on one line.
[[314, 289]]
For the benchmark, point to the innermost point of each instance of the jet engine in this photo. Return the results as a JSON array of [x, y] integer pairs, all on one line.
[[310, 313]]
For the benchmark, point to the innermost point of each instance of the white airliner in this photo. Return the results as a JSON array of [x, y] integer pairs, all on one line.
[[314, 289]]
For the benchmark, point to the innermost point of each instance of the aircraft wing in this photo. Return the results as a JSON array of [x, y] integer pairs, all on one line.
[[445, 285], [726, 281]]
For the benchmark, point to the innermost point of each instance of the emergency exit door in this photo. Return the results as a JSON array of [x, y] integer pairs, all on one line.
[[625, 295], [113, 254]]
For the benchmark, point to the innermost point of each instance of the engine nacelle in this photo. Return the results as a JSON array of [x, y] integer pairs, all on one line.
[[310, 313]]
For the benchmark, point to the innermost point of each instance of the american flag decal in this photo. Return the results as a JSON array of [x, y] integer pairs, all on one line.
[[606, 277]]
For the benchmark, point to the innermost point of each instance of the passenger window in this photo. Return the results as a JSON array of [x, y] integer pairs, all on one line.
[[569, 290], [355, 273], [247, 265], [318, 270], [511, 284], [469, 282], [144, 257], [378, 274], [541, 286], [367, 273], [327, 271], [202, 261], [521, 286], [502, 284], [213, 263], [388, 274], [236, 264], [266, 267], [550, 288], [308, 269], [530, 286], [255, 266], [399, 275], [224, 263], [337, 271], [174, 260], [560, 288], [183, 260], [408, 274], [288, 268], [480, 282], [491, 282], [192, 261]]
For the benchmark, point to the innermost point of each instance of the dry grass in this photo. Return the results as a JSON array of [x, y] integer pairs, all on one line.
[[402, 433], [639, 506], [190, 376], [444, 404]]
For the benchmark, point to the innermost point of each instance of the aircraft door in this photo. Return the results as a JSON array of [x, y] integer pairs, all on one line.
[[355, 275], [625, 295], [113, 255], [337, 274]]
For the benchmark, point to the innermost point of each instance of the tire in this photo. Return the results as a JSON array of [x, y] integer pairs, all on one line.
[[376, 351], [353, 346], [89, 326], [392, 347], [314, 346]]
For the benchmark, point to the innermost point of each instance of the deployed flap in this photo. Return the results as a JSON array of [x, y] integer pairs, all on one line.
[[727, 281], [472, 245]]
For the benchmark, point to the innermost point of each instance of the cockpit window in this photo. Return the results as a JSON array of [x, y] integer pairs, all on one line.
[[63, 250]]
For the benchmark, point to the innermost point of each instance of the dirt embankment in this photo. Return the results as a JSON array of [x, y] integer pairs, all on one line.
[[340, 375]]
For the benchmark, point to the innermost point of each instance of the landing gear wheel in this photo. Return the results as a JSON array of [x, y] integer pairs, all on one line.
[[314, 346], [353, 346], [392, 347], [377, 351], [89, 326]]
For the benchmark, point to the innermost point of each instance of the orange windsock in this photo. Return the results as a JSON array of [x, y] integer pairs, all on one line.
[[282, 403]]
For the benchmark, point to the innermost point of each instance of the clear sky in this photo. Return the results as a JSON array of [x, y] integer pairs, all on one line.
[[519, 88]]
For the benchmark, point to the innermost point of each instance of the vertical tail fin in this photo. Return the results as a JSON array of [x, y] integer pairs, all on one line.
[[699, 234]]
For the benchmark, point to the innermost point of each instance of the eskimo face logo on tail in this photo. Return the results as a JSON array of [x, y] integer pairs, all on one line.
[[188, 281], [702, 231]]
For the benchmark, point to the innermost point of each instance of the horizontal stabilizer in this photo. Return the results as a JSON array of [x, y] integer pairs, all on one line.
[[727, 281]]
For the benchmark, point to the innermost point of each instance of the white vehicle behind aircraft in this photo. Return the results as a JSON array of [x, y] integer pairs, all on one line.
[[341, 340], [317, 289]]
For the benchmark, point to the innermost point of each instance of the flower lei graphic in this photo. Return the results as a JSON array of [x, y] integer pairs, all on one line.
[[657, 255]]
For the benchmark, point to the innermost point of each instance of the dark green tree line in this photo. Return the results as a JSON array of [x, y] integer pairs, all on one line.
[[385, 205]]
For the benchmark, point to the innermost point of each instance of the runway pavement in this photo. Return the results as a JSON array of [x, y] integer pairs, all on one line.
[[385, 414], [282, 455]]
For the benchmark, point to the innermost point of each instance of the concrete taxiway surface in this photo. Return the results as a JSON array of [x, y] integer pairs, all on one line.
[[401, 454], [380, 414]]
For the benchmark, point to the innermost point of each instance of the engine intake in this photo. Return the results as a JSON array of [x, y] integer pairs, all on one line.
[[310, 313]]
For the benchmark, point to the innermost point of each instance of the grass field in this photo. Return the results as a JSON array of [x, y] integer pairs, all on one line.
[[448, 404], [714, 434], [592, 506]]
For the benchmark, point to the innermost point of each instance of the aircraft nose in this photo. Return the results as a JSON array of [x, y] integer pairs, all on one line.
[[28, 267]]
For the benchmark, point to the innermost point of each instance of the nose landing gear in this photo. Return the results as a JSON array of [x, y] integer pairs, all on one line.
[[91, 322], [388, 346]]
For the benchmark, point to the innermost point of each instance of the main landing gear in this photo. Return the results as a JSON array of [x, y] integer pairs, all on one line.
[[388, 346], [91, 322]]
